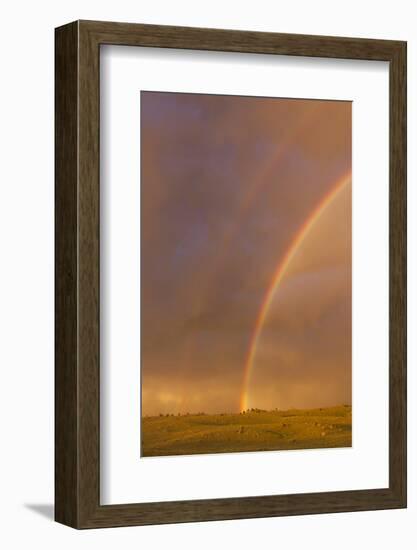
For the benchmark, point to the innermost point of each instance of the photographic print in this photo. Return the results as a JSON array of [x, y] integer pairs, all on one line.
[[204, 275], [246, 274]]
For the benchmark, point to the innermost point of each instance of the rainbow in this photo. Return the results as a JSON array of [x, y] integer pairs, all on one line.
[[278, 277]]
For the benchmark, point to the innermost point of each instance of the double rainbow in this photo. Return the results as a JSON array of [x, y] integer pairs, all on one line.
[[278, 277]]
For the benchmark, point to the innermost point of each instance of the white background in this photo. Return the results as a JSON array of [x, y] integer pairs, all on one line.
[[124, 476], [26, 275]]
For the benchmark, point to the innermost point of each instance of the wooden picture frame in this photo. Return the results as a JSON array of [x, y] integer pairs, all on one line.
[[77, 372]]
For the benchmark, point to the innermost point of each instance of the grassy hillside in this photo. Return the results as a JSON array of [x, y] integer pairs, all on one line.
[[255, 430]]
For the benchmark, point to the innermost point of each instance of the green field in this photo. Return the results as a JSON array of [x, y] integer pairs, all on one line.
[[254, 430]]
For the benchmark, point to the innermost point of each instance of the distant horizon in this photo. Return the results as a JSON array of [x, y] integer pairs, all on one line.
[[252, 409]]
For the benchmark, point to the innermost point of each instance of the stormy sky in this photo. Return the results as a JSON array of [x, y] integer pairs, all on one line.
[[226, 183]]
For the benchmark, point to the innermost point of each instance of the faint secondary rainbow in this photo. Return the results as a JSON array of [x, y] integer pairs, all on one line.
[[278, 277], [262, 178]]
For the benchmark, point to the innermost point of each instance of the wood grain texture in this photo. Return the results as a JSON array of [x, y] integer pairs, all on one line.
[[78, 286], [398, 273], [66, 237]]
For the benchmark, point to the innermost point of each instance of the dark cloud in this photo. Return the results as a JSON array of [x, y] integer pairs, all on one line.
[[226, 183]]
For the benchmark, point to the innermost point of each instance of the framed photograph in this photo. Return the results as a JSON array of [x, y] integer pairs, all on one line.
[[230, 274]]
